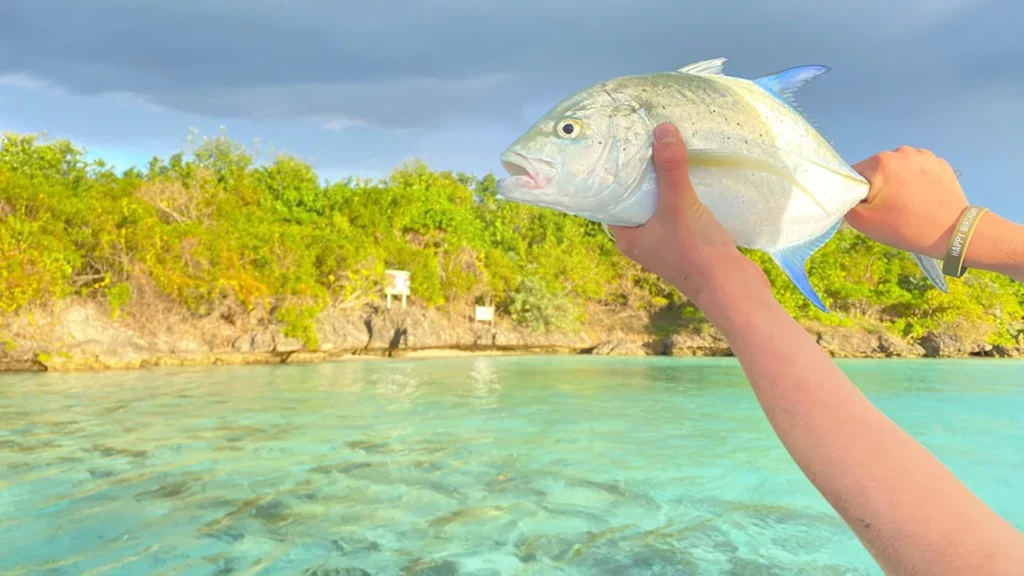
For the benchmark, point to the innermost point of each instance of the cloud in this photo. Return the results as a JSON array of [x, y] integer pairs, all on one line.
[[23, 81], [338, 124], [883, 17], [407, 64], [413, 102], [358, 86]]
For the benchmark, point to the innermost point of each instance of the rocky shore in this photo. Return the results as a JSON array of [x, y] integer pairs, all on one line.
[[80, 335]]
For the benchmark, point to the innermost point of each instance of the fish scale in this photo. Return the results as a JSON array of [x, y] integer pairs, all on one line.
[[760, 165]]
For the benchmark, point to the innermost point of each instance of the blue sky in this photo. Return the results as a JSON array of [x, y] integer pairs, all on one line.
[[355, 88]]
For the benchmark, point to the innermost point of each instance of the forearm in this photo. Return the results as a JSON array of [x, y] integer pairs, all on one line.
[[997, 245], [911, 513]]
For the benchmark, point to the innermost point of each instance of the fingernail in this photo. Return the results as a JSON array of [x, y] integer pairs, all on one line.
[[665, 133]]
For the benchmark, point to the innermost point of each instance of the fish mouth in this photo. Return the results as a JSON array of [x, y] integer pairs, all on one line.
[[527, 172]]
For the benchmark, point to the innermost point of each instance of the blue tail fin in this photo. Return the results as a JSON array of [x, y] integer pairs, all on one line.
[[793, 261], [932, 271]]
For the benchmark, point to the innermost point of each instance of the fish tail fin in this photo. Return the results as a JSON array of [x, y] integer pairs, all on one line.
[[793, 261], [931, 267], [932, 271]]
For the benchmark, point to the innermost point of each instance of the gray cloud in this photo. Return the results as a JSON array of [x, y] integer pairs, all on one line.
[[396, 103], [408, 64]]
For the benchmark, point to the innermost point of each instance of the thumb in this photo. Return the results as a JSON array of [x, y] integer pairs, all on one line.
[[671, 164], [869, 169]]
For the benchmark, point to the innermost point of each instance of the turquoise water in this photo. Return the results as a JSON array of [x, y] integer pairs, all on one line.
[[471, 466]]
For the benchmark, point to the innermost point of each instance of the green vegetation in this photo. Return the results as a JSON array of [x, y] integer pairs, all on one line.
[[215, 232]]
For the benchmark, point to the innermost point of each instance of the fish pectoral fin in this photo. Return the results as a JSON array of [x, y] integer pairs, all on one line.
[[807, 171], [713, 67], [608, 231], [793, 261]]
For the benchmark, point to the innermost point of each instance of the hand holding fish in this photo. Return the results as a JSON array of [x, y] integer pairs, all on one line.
[[915, 203], [683, 242]]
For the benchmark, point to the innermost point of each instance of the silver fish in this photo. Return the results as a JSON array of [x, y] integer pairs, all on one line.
[[758, 163]]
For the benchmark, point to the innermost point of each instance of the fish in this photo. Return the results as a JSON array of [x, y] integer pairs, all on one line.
[[755, 159]]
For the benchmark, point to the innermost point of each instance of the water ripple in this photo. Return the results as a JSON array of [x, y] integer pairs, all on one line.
[[473, 466]]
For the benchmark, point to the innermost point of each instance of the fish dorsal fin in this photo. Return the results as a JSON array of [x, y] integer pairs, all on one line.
[[713, 67], [785, 83]]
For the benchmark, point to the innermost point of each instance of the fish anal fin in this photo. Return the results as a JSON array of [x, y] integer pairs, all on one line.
[[713, 67], [793, 261]]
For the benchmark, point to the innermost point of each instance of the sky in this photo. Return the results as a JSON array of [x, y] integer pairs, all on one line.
[[356, 88]]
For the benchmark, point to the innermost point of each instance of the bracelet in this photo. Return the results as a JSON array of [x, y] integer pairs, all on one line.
[[953, 263]]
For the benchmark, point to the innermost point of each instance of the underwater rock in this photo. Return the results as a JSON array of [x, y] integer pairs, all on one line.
[[331, 571], [431, 568]]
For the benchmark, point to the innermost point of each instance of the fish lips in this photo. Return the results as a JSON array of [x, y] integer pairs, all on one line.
[[527, 173]]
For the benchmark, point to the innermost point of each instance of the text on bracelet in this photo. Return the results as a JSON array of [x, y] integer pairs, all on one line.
[[961, 232]]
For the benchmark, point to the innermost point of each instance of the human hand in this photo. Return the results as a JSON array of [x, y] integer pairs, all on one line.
[[914, 202], [683, 242]]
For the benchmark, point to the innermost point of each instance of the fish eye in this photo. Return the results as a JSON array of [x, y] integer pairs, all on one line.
[[570, 128]]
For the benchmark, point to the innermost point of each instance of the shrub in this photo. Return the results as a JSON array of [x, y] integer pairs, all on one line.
[[215, 227]]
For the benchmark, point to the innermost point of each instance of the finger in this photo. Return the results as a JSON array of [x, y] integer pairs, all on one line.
[[856, 218], [670, 163]]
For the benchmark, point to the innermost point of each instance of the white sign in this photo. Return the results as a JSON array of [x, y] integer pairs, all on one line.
[[485, 313], [399, 284]]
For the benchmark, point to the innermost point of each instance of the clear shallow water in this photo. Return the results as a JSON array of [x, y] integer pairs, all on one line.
[[478, 466]]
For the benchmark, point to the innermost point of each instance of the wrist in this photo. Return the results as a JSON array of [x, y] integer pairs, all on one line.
[[997, 245], [721, 281]]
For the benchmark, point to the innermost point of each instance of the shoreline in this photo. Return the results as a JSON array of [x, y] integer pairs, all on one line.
[[80, 335], [111, 364], [103, 363]]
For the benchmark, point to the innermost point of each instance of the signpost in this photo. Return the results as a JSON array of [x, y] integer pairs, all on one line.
[[485, 314], [398, 284]]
